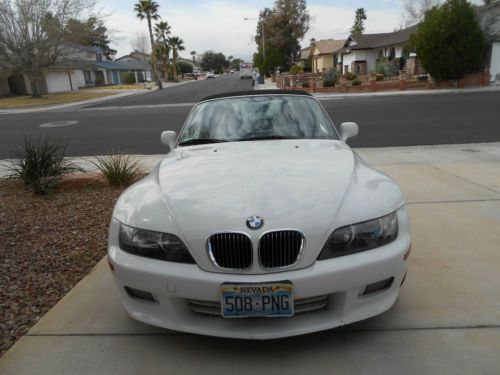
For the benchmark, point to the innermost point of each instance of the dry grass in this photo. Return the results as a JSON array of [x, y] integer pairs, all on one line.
[[139, 86], [59, 98]]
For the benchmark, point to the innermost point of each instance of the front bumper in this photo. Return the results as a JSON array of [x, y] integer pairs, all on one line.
[[341, 281]]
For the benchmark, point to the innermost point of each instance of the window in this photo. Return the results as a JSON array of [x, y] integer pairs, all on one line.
[[98, 57]]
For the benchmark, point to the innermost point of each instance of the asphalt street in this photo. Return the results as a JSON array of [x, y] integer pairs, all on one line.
[[133, 125]]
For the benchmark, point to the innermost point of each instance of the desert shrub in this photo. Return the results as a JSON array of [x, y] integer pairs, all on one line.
[[328, 83], [41, 164], [379, 77], [129, 78], [356, 82], [349, 76], [332, 75], [118, 169], [386, 68], [295, 69]]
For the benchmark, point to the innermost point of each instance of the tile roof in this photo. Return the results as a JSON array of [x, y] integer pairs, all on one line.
[[305, 53], [368, 41], [328, 46]]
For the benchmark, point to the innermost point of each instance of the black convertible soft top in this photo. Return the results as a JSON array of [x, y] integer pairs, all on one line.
[[255, 92]]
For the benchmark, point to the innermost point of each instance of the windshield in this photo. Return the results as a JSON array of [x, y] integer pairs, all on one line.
[[257, 117]]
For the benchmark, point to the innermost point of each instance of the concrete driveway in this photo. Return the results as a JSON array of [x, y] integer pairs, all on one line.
[[446, 321]]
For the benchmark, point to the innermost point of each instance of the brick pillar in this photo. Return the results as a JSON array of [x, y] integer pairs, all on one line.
[[343, 84], [402, 80], [432, 82], [312, 84], [293, 80], [486, 77], [286, 83], [372, 81]]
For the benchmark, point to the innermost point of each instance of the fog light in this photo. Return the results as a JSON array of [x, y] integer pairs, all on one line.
[[140, 294], [378, 286]]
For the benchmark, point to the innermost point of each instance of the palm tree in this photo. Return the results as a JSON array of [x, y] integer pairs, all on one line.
[[162, 51], [162, 31], [148, 9], [193, 53], [176, 44]]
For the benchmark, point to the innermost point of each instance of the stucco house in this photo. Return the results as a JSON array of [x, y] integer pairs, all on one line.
[[305, 58], [489, 18], [322, 54], [360, 53], [78, 67]]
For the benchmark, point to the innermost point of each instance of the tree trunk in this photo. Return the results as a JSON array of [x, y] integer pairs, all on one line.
[[152, 49], [174, 60], [35, 89]]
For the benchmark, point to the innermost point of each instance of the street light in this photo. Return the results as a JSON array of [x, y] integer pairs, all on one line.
[[263, 36]]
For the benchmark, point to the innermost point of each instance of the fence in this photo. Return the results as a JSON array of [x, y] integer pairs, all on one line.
[[315, 82]]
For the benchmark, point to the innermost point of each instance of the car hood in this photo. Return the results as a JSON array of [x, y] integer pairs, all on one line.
[[284, 182], [312, 186]]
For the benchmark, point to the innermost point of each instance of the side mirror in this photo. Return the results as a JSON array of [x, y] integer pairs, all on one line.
[[348, 130], [168, 138]]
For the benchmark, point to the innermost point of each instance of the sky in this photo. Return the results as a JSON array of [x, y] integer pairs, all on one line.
[[218, 24]]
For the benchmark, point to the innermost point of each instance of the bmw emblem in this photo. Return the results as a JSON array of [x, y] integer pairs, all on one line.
[[255, 222]]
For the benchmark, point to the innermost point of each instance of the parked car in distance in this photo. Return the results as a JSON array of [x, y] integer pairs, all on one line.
[[259, 210], [210, 75]]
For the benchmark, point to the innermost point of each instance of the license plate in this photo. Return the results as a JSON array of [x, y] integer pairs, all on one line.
[[245, 300]]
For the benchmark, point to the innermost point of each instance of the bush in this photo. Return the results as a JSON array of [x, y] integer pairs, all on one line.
[[423, 77], [450, 42], [305, 84], [184, 67], [295, 69], [119, 170], [328, 83], [40, 165], [129, 78], [356, 82], [331, 76], [386, 68], [349, 76], [379, 77]]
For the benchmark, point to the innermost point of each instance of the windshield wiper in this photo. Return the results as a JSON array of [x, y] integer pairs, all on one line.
[[264, 137], [200, 141]]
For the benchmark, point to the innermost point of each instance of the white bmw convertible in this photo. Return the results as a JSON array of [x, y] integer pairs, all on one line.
[[259, 223]]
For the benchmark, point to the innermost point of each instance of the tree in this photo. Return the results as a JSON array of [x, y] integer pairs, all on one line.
[[359, 22], [140, 43], [414, 10], [284, 26], [162, 51], [90, 32], [176, 44], [148, 9], [33, 33], [193, 55], [212, 61], [235, 63], [450, 42], [184, 67]]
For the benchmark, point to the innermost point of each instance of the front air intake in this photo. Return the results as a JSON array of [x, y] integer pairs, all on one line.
[[281, 248], [230, 250]]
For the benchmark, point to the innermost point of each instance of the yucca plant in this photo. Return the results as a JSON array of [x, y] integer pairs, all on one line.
[[118, 169], [41, 164]]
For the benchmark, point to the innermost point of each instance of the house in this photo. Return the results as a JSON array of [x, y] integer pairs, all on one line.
[[489, 18], [322, 54], [78, 67], [305, 58], [360, 53]]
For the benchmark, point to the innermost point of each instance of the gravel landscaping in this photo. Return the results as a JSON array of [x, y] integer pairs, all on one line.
[[47, 244]]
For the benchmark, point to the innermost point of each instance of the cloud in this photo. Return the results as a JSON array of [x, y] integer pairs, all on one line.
[[218, 25]]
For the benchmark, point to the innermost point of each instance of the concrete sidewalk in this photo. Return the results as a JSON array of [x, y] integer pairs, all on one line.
[[447, 319]]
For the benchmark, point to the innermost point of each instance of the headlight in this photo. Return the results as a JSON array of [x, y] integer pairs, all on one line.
[[360, 237], [154, 245]]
